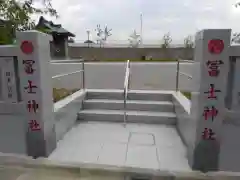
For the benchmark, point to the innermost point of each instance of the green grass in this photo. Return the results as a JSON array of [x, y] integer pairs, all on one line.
[[59, 94], [187, 94]]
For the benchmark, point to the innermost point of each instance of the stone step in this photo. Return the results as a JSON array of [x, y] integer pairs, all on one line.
[[132, 95], [137, 105], [146, 117]]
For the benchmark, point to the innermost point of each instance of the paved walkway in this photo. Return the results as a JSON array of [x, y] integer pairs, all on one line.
[[137, 145]]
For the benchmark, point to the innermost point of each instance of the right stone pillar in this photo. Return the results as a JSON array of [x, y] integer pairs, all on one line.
[[208, 101]]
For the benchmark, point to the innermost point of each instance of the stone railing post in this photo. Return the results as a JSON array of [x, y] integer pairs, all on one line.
[[36, 91], [208, 106]]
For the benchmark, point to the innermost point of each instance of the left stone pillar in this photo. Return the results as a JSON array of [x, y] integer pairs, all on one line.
[[36, 89]]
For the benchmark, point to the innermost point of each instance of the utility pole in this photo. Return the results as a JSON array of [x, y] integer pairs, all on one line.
[[88, 34], [141, 31]]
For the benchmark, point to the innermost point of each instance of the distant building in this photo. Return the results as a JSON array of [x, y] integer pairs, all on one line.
[[59, 45], [88, 42]]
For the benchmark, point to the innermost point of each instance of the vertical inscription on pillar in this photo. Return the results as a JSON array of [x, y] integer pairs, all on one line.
[[8, 80], [31, 87], [214, 62], [213, 67]]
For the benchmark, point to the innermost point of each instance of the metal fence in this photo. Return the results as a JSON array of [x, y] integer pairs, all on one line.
[[181, 74], [66, 84], [123, 45], [126, 88]]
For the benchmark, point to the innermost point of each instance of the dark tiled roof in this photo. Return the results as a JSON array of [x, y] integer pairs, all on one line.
[[88, 41], [53, 28]]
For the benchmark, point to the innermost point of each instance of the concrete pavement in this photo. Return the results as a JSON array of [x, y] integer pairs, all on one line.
[[136, 145]]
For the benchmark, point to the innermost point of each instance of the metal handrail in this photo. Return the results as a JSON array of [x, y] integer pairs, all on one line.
[[181, 73], [66, 61], [187, 61], [83, 75], [66, 74], [82, 70], [125, 91], [188, 76]]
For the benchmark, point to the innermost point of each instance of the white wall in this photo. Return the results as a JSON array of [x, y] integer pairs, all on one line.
[[151, 76]]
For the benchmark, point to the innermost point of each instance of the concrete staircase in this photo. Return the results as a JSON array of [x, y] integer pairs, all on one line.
[[142, 107]]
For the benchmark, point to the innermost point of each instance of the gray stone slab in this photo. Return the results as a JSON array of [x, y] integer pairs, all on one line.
[[137, 105], [110, 143], [147, 139], [142, 156], [148, 117], [109, 148], [132, 94]]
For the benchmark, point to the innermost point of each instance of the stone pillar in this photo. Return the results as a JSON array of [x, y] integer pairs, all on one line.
[[66, 48], [230, 145], [208, 106], [235, 91], [36, 90], [12, 114]]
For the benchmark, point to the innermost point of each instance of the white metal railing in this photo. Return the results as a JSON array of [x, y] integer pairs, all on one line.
[[125, 91], [185, 74], [66, 61], [66, 74], [82, 71], [181, 73]]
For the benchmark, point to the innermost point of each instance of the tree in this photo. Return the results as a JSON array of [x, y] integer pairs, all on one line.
[[166, 40], [102, 35], [17, 13], [188, 42], [134, 39], [236, 38]]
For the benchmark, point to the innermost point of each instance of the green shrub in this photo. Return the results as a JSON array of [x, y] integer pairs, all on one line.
[[59, 94], [187, 94]]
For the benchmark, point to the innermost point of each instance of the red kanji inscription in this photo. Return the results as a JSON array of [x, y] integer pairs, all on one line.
[[214, 67], [210, 112], [212, 92], [30, 87], [215, 46], [32, 106], [208, 134], [29, 66], [34, 125], [27, 47]]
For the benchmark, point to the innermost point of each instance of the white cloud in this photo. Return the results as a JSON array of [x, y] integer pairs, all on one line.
[[181, 18]]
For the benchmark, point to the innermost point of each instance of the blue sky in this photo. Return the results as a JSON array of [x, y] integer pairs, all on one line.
[[179, 17]]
